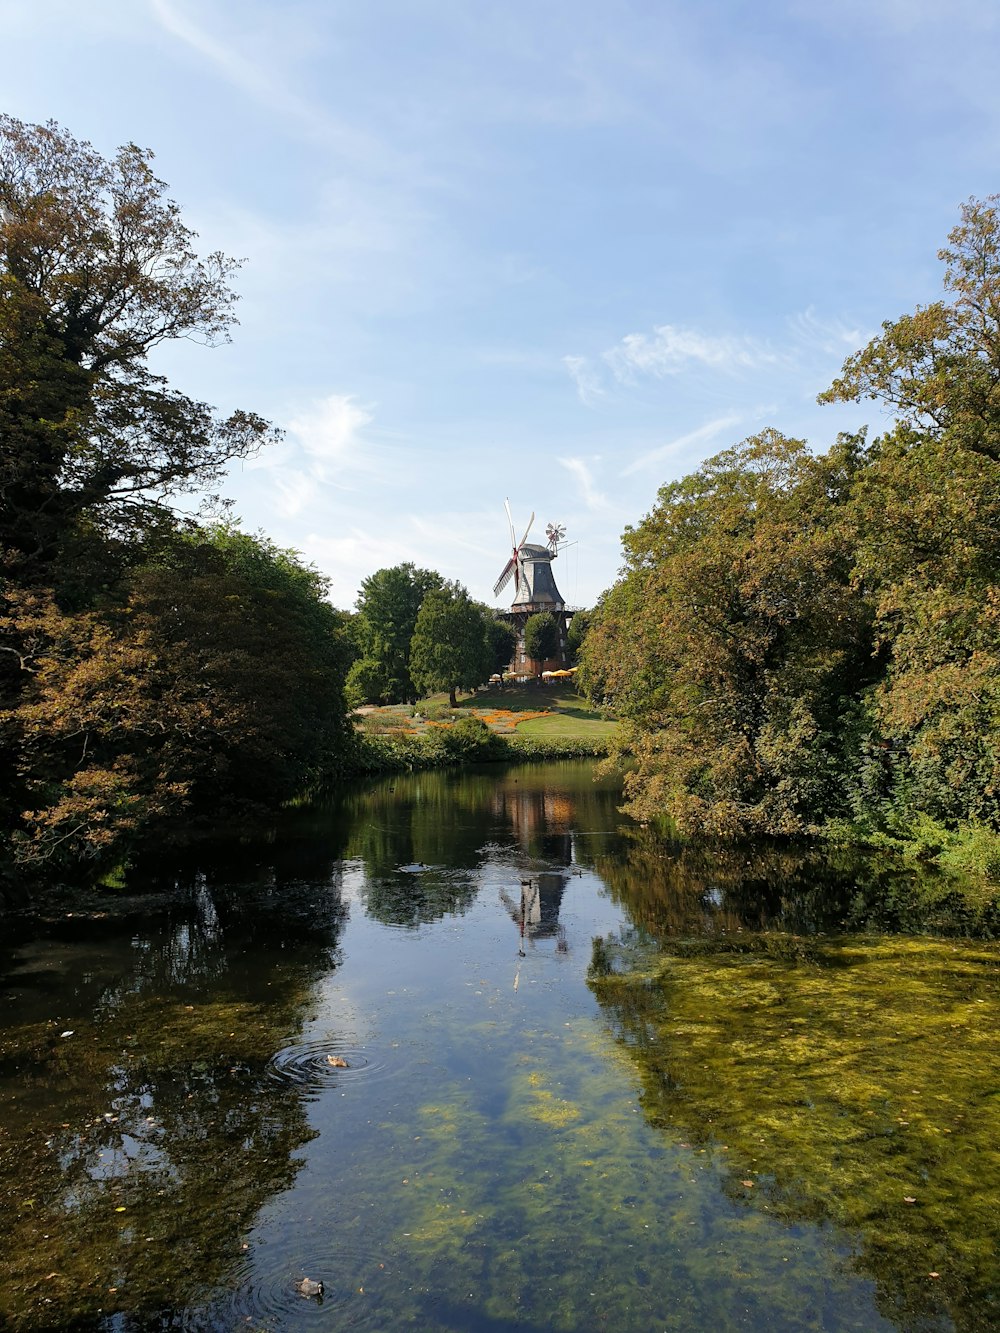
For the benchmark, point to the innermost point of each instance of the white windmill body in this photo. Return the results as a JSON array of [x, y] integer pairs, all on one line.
[[530, 565]]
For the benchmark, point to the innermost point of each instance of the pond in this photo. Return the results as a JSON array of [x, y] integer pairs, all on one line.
[[471, 1051]]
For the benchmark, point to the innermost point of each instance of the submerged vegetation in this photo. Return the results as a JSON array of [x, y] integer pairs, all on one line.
[[842, 1081]]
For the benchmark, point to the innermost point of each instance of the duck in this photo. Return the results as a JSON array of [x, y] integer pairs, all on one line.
[[308, 1288], [337, 1061]]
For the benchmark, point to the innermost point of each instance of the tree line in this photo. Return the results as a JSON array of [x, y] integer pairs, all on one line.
[[806, 641], [153, 668]]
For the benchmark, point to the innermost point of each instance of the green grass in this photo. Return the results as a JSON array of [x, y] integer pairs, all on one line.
[[566, 724]]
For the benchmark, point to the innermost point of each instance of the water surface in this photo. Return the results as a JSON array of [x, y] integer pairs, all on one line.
[[379, 1049]]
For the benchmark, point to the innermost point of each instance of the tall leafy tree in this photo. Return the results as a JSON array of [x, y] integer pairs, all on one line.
[[541, 636], [215, 688], [388, 605], [502, 639], [734, 640], [96, 270], [927, 514], [577, 633], [450, 649]]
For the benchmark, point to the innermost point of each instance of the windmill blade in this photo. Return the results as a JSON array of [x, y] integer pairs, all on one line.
[[526, 530], [505, 577], [510, 522]]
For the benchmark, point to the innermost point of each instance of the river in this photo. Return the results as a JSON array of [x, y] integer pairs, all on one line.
[[471, 1051]]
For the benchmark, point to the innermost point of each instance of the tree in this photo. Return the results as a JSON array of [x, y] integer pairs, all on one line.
[[734, 641], [388, 605], [97, 269], [450, 649], [577, 634], [939, 368], [502, 639], [926, 513], [541, 636], [215, 688]]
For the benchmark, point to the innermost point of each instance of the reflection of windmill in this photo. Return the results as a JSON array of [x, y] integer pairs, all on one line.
[[534, 586]]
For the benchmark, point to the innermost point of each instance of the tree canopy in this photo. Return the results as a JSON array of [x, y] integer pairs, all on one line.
[[541, 636], [388, 605], [148, 666], [800, 639], [450, 650], [96, 269]]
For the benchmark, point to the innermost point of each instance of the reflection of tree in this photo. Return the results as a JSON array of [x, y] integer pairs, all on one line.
[[155, 1133], [682, 889], [846, 1082], [423, 836]]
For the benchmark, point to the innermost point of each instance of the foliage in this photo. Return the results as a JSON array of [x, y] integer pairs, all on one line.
[[501, 637], [579, 627], [97, 269], [449, 650], [148, 667], [388, 605], [175, 699], [802, 641], [732, 639], [541, 637]]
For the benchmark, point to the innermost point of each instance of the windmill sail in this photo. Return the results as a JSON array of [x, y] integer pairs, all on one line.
[[505, 577]]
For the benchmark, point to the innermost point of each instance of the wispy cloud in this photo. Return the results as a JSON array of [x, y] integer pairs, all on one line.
[[586, 378], [669, 350], [262, 85], [831, 336], [323, 447], [684, 442], [810, 342], [592, 497]]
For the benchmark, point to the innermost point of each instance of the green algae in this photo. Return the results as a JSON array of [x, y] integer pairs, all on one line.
[[852, 1082]]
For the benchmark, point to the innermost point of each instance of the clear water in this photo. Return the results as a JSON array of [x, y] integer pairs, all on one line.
[[379, 1050]]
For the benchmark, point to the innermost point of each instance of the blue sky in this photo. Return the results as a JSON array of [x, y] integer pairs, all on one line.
[[557, 251]]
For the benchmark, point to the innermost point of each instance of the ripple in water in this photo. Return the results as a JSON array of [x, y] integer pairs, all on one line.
[[270, 1296], [322, 1064]]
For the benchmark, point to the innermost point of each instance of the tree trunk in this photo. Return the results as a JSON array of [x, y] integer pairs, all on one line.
[[452, 701]]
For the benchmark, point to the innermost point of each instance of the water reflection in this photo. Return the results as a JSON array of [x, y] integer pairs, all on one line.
[[141, 1129], [319, 1058]]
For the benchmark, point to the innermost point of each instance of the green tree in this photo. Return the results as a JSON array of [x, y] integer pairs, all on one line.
[[926, 513], [388, 605], [502, 639], [734, 641], [450, 650], [96, 270], [577, 633], [541, 636], [215, 688]]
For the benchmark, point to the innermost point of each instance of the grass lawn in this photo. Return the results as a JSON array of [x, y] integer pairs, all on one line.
[[531, 710]]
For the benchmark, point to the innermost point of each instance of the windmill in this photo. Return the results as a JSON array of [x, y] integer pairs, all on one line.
[[535, 589]]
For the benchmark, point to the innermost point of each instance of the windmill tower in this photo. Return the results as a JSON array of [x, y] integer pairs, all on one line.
[[534, 590]]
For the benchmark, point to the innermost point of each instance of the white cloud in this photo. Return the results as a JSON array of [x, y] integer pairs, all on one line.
[[683, 442], [669, 350], [323, 446], [328, 431], [259, 83], [830, 336], [592, 497], [587, 380]]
